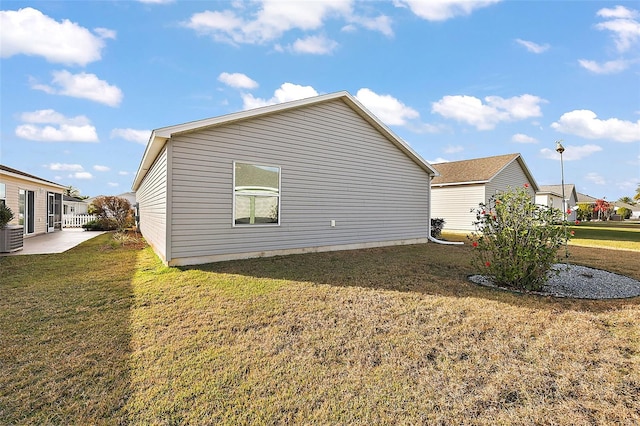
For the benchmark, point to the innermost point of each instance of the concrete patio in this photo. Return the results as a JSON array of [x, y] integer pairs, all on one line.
[[54, 242]]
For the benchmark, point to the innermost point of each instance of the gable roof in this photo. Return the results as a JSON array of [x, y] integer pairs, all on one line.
[[17, 173], [584, 198], [160, 136], [478, 170], [569, 189]]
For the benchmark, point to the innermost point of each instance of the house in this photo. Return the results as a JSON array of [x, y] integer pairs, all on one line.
[[635, 209], [463, 185], [316, 174], [551, 196], [74, 205], [36, 203]]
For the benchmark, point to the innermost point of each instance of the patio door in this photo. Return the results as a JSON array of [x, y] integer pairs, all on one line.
[[51, 205], [27, 211]]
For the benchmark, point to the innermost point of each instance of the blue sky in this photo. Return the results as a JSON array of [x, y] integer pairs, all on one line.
[[83, 83]]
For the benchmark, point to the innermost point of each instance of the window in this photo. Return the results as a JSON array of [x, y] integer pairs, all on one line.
[[256, 194], [3, 194]]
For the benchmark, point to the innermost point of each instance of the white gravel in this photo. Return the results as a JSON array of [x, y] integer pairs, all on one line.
[[580, 282]]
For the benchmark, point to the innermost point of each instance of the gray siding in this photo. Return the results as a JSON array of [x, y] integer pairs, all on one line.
[[454, 204], [512, 176], [152, 202], [334, 166]]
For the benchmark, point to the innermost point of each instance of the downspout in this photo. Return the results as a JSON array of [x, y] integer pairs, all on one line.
[[435, 240]]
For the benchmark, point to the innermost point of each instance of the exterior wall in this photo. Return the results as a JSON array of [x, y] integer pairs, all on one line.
[[334, 166], [14, 185], [152, 201], [454, 205], [551, 200], [511, 176]]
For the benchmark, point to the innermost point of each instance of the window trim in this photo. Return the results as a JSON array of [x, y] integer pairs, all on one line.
[[3, 194], [233, 194]]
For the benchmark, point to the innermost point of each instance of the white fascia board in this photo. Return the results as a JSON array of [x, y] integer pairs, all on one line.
[[474, 182]]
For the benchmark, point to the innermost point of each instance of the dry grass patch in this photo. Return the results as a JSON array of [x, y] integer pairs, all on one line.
[[383, 336]]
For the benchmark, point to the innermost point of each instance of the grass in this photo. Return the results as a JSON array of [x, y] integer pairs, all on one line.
[[618, 235], [105, 334]]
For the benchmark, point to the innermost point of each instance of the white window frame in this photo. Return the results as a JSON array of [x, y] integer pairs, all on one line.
[[278, 196], [3, 194]]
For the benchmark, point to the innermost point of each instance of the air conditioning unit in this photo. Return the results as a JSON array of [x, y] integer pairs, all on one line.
[[11, 238]]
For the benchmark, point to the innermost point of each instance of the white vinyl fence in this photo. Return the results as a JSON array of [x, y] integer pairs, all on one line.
[[76, 220]]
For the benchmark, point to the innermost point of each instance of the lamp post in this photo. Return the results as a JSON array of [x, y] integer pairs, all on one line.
[[560, 150]]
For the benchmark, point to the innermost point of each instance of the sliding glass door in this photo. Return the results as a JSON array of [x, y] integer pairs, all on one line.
[[26, 212]]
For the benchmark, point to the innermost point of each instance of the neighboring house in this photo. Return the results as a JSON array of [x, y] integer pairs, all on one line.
[[129, 196], [36, 203], [551, 196], [317, 174], [463, 185], [73, 205]]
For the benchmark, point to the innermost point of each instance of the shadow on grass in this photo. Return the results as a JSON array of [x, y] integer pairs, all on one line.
[[429, 269], [65, 338], [606, 234]]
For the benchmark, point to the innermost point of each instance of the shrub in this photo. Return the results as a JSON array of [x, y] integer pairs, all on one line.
[[584, 211], [6, 215], [624, 212], [116, 209], [101, 224], [437, 224], [516, 241]]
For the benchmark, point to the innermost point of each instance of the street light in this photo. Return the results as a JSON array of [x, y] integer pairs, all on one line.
[[560, 150]]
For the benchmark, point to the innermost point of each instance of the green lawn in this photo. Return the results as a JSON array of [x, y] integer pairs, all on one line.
[[105, 334], [620, 235]]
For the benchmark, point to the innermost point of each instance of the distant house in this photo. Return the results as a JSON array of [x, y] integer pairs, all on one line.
[[74, 205], [635, 209], [463, 185], [35, 202], [551, 196], [316, 174]]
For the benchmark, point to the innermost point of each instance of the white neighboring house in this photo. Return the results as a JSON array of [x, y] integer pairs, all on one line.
[[551, 196], [316, 174], [463, 185], [73, 205]]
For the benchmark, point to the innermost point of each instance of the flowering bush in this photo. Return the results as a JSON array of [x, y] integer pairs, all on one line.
[[516, 241]]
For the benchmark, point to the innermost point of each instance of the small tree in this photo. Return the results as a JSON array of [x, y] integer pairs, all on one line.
[[116, 209], [603, 208], [584, 212], [516, 241], [624, 212]]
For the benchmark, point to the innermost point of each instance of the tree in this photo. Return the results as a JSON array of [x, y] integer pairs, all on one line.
[[603, 208], [115, 209], [74, 192], [637, 196], [626, 200]]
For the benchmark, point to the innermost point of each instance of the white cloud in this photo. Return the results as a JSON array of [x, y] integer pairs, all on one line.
[[29, 32], [471, 110], [438, 160], [571, 152], [442, 10], [64, 167], [609, 67], [381, 23], [522, 138], [623, 24], [237, 80], [287, 92], [387, 108], [273, 19], [452, 149], [51, 126], [315, 45], [595, 178], [81, 175], [105, 33], [132, 135], [84, 86], [113, 184], [100, 168], [586, 124], [123, 173], [533, 47]]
